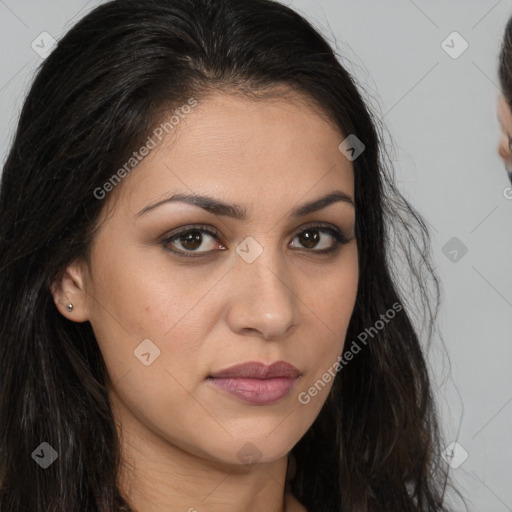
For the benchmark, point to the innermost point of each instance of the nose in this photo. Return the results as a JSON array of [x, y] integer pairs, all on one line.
[[503, 150], [263, 301]]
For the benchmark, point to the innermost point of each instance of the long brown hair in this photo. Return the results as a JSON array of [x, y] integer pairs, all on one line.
[[375, 444]]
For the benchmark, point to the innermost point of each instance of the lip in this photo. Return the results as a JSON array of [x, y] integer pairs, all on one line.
[[257, 370], [257, 383]]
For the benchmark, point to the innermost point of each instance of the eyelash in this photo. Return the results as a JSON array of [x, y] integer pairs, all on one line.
[[340, 238]]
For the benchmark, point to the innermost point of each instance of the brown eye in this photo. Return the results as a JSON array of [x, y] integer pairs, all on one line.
[[191, 241], [188, 241], [309, 238], [317, 239], [199, 241]]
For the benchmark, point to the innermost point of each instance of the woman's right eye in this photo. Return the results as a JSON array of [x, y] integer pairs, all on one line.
[[191, 239]]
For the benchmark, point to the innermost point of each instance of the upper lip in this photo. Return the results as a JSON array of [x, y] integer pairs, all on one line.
[[257, 370]]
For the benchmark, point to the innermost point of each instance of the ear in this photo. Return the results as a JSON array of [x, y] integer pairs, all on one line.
[[70, 289]]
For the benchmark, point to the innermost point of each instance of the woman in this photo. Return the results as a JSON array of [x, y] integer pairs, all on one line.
[[200, 309]]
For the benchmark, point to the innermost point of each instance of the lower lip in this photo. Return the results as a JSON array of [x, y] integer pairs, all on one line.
[[255, 391]]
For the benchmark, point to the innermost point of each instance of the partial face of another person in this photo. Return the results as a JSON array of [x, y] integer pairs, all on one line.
[[505, 144], [211, 289]]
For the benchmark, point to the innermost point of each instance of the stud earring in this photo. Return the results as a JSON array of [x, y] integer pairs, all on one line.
[[70, 307]]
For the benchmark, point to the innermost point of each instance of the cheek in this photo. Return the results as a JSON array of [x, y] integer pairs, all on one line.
[[134, 300], [151, 330], [330, 302], [333, 295]]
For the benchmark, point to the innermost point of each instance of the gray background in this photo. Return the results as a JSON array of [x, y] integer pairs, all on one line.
[[440, 113]]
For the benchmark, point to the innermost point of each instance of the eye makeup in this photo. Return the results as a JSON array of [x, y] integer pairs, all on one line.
[[339, 238]]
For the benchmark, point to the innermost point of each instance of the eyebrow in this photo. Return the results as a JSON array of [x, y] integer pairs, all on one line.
[[238, 212]]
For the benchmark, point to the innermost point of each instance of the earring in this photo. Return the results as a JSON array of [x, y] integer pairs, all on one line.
[[70, 307]]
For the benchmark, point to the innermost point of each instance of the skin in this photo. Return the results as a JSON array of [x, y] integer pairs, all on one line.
[[180, 436], [505, 120]]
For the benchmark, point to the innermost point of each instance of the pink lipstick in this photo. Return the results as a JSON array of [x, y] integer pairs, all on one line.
[[257, 383]]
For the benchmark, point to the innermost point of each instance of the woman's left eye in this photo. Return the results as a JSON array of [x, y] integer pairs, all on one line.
[[315, 238]]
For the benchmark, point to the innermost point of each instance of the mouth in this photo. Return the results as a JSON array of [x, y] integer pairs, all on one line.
[[256, 383]]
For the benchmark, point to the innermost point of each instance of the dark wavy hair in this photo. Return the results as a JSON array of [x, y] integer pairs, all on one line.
[[505, 63], [375, 445]]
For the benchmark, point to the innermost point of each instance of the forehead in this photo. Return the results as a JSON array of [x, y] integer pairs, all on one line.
[[263, 153]]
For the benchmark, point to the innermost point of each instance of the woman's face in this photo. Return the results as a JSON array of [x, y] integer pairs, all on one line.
[[504, 147], [168, 312]]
